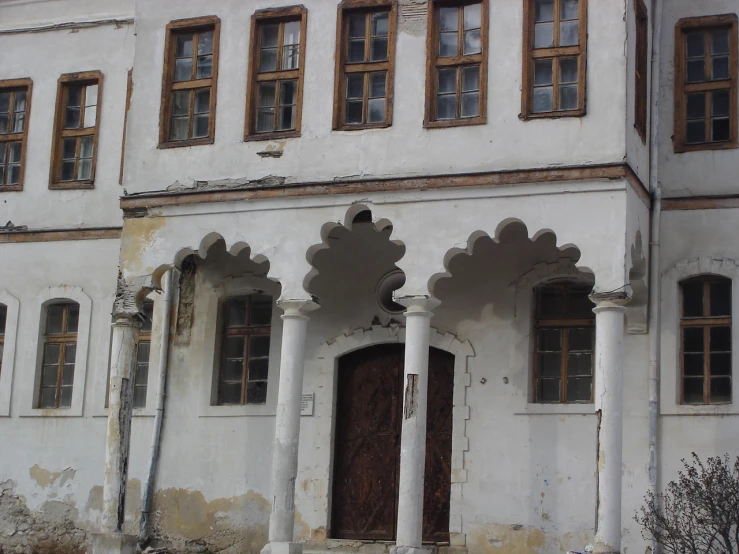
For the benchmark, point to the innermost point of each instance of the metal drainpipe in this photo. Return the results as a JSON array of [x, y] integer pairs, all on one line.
[[158, 419], [654, 263]]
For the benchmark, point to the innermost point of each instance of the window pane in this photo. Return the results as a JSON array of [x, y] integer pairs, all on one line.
[[200, 126], [291, 34], [449, 19], [579, 389], [205, 43], [569, 33], [51, 360], [568, 70], [261, 310], [139, 397], [290, 56], [471, 78], [357, 23], [268, 60], [446, 106], [230, 393], [4, 123], [447, 81], [182, 69], [544, 10], [84, 169], [54, 319], [569, 9], [550, 364], [543, 35], [693, 390], [232, 370], [548, 390], [355, 86], [256, 393], [356, 51], [568, 97], [47, 398], [378, 50], [720, 41], [721, 298], [205, 67], [447, 45], [696, 71], [470, 104], [696, 132], [696, 106], [3, 319], [720, 129], [549, 340], [696, 45], [377, 85], [86, 147], [72, 111], [580, 339], [67, 375], [720, 339], [142, 352], [202, 101], [692, 299], [16, 150], [179, 128], [380, 26], [73, 317], [74, 96], [354, 112], [148, 314], [721, 390], [4, 102], [473, 16], [236, 312], [472, 42], [720, 103], [286, 118], [543, 72], [693, 339], [265, 120], [551, 303], [543, 99], [721, 364], [268, 55], [183, 49], [720, 68], [579, 363], [19, 109], [67, 171], [181, 103], [693, 364], [259, 346], [376, 110], [234, 347], [258, 369], [267, 91]]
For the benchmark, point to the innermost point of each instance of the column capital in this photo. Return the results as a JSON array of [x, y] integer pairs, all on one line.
[[127, 319], [299, 308], [610, 300], [419, 305]]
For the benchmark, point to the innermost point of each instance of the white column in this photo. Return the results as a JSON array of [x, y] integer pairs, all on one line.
[[609, 336], [287, 428], [413, 435], [120, 403]]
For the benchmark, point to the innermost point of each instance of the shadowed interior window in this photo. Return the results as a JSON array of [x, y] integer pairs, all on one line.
[[3, 320], [60, 351], [641, 70], [564, 344], [705, 340], [15, 99], [141, 375], [244, 366]]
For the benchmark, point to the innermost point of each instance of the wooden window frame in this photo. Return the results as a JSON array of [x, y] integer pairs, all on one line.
[[562, 324], [531, 54], [434, 62], [246, 331], [706, 323], [260, 17], [63, 339], [15, 85], [144, 337], [129, 92], [343, 68], [682, 89], [641, 69], [83, 78], [195, 25]]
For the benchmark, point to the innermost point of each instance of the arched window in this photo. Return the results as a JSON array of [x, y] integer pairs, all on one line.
[[3, 319], [564, 341], [60, 350], [705, 340], [242, 376], [141, 375]]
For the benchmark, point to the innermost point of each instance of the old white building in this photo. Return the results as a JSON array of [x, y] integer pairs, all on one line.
[[414, 274]]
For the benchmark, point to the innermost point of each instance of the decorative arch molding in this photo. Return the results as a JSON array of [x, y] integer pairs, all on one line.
[[12, 306], [34, 357], [328, 355], [540, 273], [670, 333]]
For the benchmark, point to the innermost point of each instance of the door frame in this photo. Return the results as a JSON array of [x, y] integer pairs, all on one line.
[[328, 359]]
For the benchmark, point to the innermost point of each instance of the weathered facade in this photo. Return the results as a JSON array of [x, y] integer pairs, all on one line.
[[481, 303]]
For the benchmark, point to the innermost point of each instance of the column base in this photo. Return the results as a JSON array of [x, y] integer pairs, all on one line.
[[113, 543], [282, 548], [398, 549]]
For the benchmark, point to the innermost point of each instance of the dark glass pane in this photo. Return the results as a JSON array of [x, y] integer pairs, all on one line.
[[286, 118], [696, 71], [230, 393], [568, 97], [202, 101], [721, 390], [380, 27], [378, 49], [290, 56], [258, 346], [183, 49], [66, 401], [693, 365], [579, 389], [234, 347], [139, 397], [354, 112], [258, 368], [550, 364], [544, 10], [205, 67], [47, 398], [549, 340], [142, 374], [288, 92], [67, 374], [693, 390], [470, 104], [148, 314], [692, 299], [543, 100], [569, 9], [472, 42], [569, 33], [74, 96], [720, 129], [720, 68], [696, 106], [178, 130], [579, 363], [447, 81], [49, 375], [142, 353], [3, 318], [181, 103], [721, 364], [70, 352], [183, 69], [5, 102], [270, 33], [377, 85], [721, 298], [261, 310], [355, 86], [256, 393], [356, 50], [236, 309], [200, 126], [471, 78], [551, 303], [446, 106], [357, 23], [579, 304], [580, 339], [54, 319], [232, 370], [548, 390], [696, 45], [268, 60], [4, 123], [73, 318], [720, 339], [543, 72], [720, 41], [205, 43], [720, 104], [693, 339], [449, 19], [568, 70]]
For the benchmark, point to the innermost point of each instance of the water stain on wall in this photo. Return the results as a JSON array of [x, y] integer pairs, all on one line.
[[45, 478]]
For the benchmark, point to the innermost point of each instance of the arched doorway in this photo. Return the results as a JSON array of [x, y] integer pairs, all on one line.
[[367, 444]]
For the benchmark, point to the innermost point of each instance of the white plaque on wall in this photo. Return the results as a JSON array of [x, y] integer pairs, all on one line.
[[306, 406]]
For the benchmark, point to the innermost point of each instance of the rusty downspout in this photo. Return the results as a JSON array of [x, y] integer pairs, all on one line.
[[159, 417]]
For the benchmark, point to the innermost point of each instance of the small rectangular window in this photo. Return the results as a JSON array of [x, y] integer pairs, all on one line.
[[59, 354], [456, 74], [244, 367], [564, 344], [190, 76], [641, 70], [365, 64], [76, 128], [15, 108], [275, 90], [706, 83], [705, 340], [141, 374], [555, 40]]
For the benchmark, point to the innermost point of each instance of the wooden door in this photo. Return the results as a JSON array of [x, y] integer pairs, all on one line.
[[369, 409]]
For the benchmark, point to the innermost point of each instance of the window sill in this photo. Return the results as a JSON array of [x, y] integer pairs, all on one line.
[[247, 410], [445, 123], [351, 128], [700, 410], [184, 143], [552, 115], [11, 188], [73, 185], [557, 409], [682, 148], [271, 136], [51, 412]]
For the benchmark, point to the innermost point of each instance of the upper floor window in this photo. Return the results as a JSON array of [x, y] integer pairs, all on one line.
[[564, 344], [641, 69], [275, 91], [190, 73], [141, 374], [59, 352], [365, 64], [705, 328], [555, 37], [706, 83], [242, 376], [3, 320], [76, 130], [456, 90], [15, 105]]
